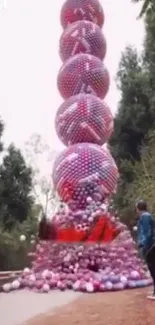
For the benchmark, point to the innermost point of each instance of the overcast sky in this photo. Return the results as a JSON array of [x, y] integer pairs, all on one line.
[[29, 62]]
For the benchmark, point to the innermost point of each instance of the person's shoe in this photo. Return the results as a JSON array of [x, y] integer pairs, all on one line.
[[151, 296]]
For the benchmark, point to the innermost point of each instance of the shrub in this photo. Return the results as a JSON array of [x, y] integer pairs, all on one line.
[[13, 252]]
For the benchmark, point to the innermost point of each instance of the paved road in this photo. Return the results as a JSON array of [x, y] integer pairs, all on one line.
[[18, 307]]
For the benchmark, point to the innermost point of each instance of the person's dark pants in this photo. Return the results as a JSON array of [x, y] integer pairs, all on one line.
[[150, 260]]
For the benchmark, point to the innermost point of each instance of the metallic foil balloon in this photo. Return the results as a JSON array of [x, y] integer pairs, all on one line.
[[84, 118], [82, 171], [83, 73], [75, 10], [82, 37]]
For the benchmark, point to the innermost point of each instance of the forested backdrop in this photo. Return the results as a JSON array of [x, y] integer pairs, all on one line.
[[132, 143]]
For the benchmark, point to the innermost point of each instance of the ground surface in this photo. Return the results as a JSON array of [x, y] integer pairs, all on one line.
[[121, 308], [18, 307]]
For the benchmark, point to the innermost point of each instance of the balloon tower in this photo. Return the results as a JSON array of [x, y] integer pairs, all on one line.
[[84, 173], [88, 249]]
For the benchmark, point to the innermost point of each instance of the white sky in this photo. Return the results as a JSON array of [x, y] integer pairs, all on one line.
[[29, 62]]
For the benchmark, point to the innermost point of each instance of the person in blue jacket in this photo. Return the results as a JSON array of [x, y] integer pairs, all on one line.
[[145, 239]]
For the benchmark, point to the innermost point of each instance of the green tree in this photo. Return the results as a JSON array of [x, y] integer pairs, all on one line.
[[147, 6], [143, 186], [15, 190], [134, 117], [149, 49]]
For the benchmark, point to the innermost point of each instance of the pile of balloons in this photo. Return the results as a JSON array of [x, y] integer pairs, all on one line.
[[91, 251], [86, 267]]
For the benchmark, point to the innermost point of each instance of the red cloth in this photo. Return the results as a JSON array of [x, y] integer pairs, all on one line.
[[103, 231]]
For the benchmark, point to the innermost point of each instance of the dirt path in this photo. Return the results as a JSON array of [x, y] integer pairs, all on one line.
[[18, 307], [121, 308]]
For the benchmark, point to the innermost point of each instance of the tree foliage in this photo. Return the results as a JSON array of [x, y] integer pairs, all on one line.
[[13, 252], [147, 6], [149, 50], [15, 188], [135, 115], [135, 120], [143, 186]]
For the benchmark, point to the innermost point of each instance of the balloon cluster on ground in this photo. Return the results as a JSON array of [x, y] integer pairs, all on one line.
[[104, 259], [85, 248], [82, 267]]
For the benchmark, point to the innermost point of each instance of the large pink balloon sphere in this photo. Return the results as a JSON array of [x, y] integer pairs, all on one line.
[[75, 10], [84, 118], [82, 171], [82, 37], [83, 73]]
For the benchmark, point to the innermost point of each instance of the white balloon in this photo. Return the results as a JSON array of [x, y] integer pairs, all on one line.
[[46, 288], [26, 270], [135, 228], [15, 285], [89, 199], [76, 285], [89, 287], [6, 287], [104, 206], [71, 267], [109, 286], [124, 280], [22, 238]]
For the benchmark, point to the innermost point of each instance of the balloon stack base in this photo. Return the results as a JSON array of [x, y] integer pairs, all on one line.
[[87, 266]]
